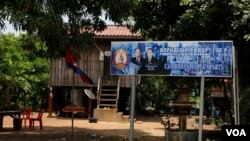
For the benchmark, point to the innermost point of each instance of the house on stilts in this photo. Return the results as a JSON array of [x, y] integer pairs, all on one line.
[[112, 92]]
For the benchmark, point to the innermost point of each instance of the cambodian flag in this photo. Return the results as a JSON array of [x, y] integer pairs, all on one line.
[[72, 63]]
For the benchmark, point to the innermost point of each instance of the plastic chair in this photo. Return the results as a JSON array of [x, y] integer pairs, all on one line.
[[39, 119], [26, 115]]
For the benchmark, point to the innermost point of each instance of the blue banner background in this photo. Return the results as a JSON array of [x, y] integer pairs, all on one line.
[[173, 58]]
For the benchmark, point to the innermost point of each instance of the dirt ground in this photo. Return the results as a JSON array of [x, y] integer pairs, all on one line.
[[60, 129]]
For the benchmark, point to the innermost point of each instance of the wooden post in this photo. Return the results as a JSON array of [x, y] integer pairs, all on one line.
[[72, 105], [50, 101]]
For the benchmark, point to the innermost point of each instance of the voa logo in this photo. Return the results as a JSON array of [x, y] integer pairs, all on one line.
[[236, 132]]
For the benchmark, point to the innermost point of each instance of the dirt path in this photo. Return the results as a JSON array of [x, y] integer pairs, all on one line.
[[60, 129]]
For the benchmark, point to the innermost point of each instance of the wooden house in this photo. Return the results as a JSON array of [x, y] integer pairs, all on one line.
[[111, 91]]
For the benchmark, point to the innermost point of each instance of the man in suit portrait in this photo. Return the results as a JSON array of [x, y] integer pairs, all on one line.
[[138, 59], [150, 63]]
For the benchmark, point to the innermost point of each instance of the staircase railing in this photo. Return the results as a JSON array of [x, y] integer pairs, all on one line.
[[99, 87], [118, 91]]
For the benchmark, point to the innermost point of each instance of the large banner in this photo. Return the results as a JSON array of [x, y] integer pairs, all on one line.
[[172, 58]]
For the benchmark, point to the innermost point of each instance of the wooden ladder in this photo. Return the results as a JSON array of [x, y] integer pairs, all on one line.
[[108, 96]]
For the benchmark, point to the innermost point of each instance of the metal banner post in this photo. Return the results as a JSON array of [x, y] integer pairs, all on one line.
[[201, 109], [235, 90], [132, 110]]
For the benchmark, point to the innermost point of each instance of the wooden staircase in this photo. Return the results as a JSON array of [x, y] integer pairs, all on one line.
[[108, 96], [107, 102]]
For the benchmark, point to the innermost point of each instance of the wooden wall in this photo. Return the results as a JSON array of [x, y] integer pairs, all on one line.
[[62, 75]]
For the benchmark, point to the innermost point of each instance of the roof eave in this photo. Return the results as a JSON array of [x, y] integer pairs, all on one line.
[[119, 37]]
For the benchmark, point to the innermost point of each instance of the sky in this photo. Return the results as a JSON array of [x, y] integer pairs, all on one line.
[[10, 29]]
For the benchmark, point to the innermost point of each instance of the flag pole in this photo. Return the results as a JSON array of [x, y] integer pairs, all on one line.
[[71, 61], [90, 106]]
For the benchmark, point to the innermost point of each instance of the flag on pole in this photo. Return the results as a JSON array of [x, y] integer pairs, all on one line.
[[72, 63]]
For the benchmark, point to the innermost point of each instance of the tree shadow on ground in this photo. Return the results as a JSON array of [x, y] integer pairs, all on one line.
[[78, 134]]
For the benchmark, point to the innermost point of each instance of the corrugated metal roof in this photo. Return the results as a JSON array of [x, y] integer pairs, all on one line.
[[117, 32]]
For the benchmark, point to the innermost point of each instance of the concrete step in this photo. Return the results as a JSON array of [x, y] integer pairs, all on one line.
[[118, 117], [105, 114], [112, 115], [125, 118]]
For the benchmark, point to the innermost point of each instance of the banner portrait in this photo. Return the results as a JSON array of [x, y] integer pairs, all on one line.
[[172, 58]]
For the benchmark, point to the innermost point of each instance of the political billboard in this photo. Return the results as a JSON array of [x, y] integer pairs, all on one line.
[[172, 58]]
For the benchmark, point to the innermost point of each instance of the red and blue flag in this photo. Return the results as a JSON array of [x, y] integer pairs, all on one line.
[[72, 63]]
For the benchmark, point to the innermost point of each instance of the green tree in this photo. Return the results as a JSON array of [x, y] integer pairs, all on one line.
[[12, 77], [242, 14], [63, 23], [205, 20], [198, 20], [245, 106], [155, 93], [24, 75], [155, 18]]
